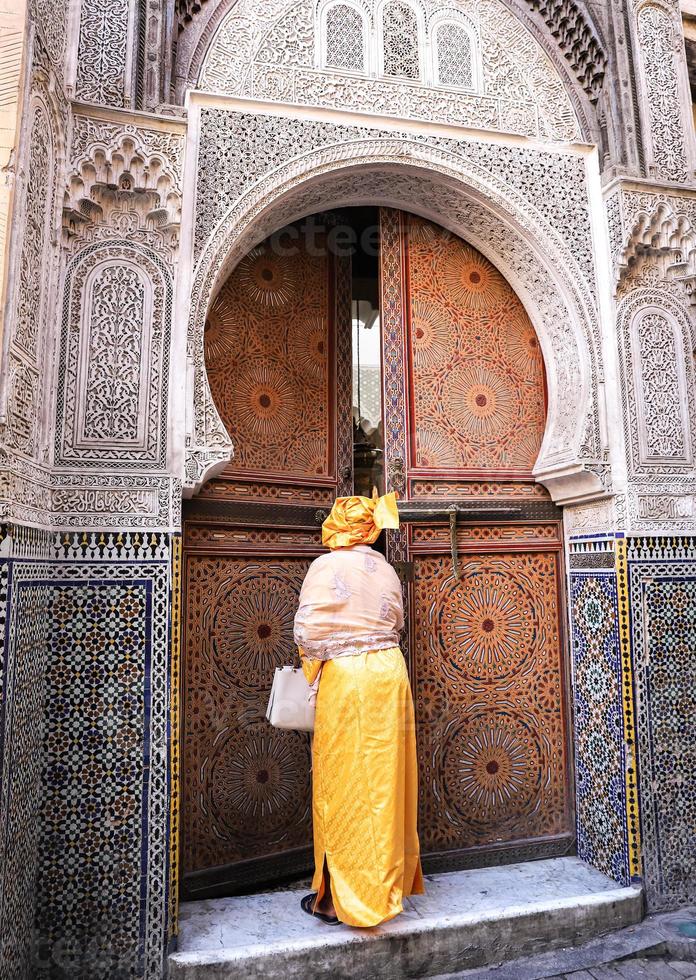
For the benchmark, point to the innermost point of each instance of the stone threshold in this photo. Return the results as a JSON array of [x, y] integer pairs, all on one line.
[[466, 919]]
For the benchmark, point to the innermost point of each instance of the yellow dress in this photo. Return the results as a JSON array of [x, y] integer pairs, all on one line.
[[365, 779]]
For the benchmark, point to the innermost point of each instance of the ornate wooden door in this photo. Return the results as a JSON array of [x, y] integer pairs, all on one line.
[[278, 357], [465, 412]]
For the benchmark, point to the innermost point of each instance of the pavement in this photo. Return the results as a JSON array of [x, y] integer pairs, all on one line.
[[661, 947]]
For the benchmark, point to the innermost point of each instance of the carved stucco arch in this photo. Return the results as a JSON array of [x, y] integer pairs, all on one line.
[[495, 219], [198, 36]]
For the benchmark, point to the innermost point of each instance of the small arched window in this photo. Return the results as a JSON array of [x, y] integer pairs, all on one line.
[[400, 41], [344, 38], [455, 55]]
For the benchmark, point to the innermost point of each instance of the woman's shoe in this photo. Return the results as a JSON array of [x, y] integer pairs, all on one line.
[[307, 905]]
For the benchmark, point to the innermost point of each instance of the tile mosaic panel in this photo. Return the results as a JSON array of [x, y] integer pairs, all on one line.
[[102, 891], [25, 632], [84, 708], [599, 744], [663, 635], [97, 744]]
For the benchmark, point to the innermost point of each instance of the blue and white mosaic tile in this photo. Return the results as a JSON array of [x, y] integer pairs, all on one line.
[[662, 581], [599, 749]]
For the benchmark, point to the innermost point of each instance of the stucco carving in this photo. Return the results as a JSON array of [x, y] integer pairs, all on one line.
[[657, 379], [522, 223], [24, 391], [124, 181], [658, 40], [649, 225], [113, 366], [659, 399], [272, 51], [50, 17], [578, 40], [102, 56], [596, 517]]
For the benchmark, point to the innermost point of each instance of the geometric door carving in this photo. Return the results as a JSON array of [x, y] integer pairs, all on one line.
[[478, 400], [488, 676], [246, 785], [268, 356]]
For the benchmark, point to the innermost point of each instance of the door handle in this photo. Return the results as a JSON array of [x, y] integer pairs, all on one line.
[[414, 513], [453, 510]]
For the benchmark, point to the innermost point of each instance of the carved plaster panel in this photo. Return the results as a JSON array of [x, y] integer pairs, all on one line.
[[35, 266], [33, 496], [659, 40], [276, 51], [24, 395], [661, 493], [103, 52], [113, 369], [50, 18], [655, 226], [252, 181], [578, 40], [594, 518], [657, 379]]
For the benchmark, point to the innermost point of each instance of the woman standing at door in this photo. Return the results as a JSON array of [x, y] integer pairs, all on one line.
[[365, 791]]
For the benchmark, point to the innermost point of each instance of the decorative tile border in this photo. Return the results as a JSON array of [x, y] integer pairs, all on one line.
[[599, 746], [174, 738], [662, 625], [628, 712], [25, 636]]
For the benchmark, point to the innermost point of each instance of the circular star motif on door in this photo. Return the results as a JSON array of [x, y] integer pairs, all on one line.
[[309, 347], [479, 401], [490, 627], [251, 631], [308, 454], [264, 402], [257, 783], [431, 335], [471, 280], [434, 450], [521, 343], [268, 281], [494, 771], [217, 337]]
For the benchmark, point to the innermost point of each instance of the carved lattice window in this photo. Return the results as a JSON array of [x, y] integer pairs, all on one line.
[[345, 38], [454, 54], [400, 41]]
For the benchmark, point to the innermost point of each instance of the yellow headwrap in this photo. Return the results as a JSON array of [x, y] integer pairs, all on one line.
[[358, 520]]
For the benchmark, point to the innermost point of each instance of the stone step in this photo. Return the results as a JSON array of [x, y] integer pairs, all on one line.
[[466, 919]]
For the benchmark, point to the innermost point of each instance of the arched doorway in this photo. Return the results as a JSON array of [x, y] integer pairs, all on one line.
[[449, 408]]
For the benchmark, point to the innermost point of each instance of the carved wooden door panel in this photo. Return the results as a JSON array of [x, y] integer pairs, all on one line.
[[278, 359], [465, 411]]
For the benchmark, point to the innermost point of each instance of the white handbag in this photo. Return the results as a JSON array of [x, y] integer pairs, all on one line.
[[292, 701]]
